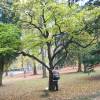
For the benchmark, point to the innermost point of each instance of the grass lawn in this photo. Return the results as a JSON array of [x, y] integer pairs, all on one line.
[[73, 86]]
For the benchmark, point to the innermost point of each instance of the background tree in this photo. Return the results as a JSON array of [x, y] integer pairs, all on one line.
[[9, 45], [43, 53], [34, 68], [6, 12]]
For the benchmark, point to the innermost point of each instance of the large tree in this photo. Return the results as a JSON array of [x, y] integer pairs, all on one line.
[[55, 26], [9, 45]]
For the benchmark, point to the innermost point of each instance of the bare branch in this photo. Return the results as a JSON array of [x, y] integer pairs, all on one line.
[[57, 24]]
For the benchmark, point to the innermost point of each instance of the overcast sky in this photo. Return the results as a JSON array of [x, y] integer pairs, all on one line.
[[82, 2]]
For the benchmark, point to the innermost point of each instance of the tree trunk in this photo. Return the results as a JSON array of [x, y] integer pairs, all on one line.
[[6, 72], [6, 69], [51, 87], [43, 59], [34, 69], [0, 79], [1, 71], [44, 72], [85, 69], [22, 65], [79, 67], [79, 63]]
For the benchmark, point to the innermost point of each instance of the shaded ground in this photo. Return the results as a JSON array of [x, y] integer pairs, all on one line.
[[74, 86]]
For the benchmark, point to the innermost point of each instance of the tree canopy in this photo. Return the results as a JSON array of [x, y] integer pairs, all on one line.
[[9, 39], [9, 45]]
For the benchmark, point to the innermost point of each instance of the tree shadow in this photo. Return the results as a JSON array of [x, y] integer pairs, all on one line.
[[45, 93], [93, 78], [5, 85], [71, 73]]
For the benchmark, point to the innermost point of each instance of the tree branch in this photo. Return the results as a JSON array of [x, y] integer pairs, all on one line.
[[62, 47], [80, 45], [35, 26], [44, 23], [49, 55], [32, 56], [57, 24], [60, 59], [67, 44]]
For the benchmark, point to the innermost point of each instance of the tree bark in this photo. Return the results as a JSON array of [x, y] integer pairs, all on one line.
[[79, 66], [6, 69], [85, 69], [22, 65], [43, 67], [44, 72], [79, 63], [0, 79], [1, 74], [34, 69], [6, 72], [1, 71], [51, 87]]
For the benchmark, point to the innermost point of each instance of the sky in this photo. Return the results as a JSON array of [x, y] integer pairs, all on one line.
[[82, 2]]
